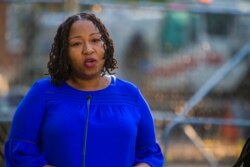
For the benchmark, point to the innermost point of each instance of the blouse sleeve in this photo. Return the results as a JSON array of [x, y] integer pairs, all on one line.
[[21, 148], [147, 149]]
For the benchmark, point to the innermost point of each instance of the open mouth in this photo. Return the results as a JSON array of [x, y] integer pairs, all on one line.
[[90, 62]]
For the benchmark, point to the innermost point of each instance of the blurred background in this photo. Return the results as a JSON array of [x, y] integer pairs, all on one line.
[[190, 58]]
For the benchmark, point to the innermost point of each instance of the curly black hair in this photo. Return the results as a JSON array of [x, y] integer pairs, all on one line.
[[58, 65]]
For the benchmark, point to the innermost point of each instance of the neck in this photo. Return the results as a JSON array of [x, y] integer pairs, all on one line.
[[89, 84]]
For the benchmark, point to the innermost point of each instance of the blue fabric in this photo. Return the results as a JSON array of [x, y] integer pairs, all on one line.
[[50, 122]]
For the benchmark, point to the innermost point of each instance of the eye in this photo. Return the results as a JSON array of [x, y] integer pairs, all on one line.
[[75, 44], [95, 40]]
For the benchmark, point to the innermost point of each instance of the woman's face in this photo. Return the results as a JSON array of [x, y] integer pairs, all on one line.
[[86, 50]]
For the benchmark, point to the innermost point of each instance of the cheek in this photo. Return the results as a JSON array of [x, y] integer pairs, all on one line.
[[74, 60], [74, 54], [101, 53]]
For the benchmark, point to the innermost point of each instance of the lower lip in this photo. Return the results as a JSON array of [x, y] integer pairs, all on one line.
[[90, 64]]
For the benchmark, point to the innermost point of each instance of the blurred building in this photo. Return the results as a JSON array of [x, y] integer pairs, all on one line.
[[169, 48]]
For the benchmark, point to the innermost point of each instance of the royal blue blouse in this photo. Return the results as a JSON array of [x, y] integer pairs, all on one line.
[[66, 127]]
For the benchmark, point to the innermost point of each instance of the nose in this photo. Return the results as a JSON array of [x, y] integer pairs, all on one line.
[[87, 49]]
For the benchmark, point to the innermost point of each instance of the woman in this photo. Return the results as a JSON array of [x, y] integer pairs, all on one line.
[[82, 116]]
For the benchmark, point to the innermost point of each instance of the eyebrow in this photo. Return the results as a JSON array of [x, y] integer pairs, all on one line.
[[78, 36]]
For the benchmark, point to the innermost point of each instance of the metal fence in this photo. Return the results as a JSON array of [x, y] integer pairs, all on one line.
[[191, 62]]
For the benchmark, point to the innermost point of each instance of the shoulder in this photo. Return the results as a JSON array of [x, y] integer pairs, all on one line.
[[45, 87], [46, 81], [125, 85], [43, 84]]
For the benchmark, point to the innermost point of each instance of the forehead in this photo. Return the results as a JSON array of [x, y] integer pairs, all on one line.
[[81, 26]]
